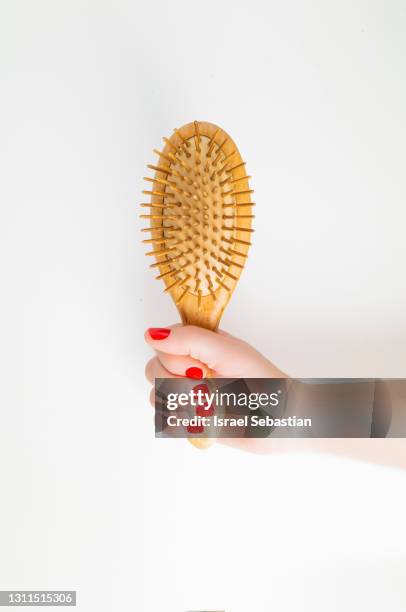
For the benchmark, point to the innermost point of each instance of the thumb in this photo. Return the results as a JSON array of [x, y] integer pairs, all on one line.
[[226, 355]]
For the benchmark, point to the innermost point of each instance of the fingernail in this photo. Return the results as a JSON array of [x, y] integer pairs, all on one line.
[[159, 333], [193, 429], [203, 411], [194, 373]]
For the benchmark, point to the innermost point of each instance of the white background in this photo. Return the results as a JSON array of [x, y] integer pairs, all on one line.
[[314, 94]]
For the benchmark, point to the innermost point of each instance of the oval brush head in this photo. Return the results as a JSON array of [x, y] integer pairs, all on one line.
[[200, 214]]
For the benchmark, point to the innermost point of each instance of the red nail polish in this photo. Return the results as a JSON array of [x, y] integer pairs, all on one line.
[[203, 411], [193, 429], [159, 333], [194, 373]]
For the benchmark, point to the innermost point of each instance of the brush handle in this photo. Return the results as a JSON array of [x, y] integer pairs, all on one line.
[[207, 316], [203, 443]]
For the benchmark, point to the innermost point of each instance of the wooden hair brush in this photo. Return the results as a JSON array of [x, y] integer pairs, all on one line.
[[200, 223], [200, 220]]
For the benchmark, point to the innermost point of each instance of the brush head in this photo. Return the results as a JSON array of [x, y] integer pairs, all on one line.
[[200, 213]]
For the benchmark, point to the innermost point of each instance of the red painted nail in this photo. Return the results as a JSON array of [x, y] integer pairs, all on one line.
[[193, 429], [159, 333], [194, 373], [203, 411]]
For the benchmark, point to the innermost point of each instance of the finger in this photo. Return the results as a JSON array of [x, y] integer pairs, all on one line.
[[154, 369], [201, 344], [182, 365], [152, 397]]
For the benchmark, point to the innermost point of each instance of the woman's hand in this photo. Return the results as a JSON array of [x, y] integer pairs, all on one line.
[[190, 351]]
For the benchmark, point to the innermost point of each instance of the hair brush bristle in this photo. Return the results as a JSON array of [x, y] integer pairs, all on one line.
[[200, 213]]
